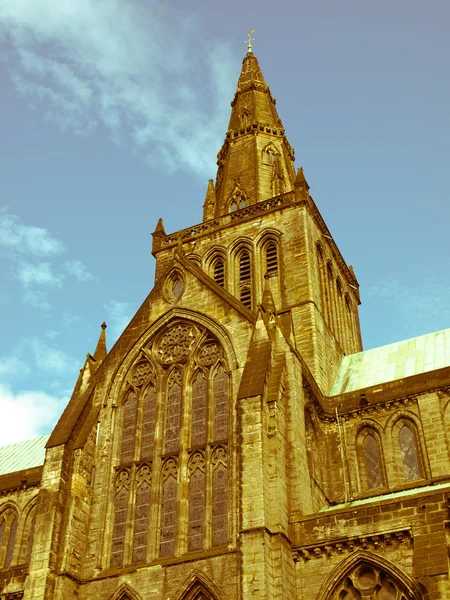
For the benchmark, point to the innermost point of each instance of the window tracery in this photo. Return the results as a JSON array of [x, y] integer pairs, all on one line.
[[220, 497], [269, 154], [238, 199], [169, 508], [197, 501], [173, 415], [122, 488], [178, 386], [372, 583]]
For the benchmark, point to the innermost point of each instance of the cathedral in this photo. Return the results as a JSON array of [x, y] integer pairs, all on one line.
[[236, 442]]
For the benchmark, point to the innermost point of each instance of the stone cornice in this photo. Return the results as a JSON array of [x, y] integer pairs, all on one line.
[[373, 541]]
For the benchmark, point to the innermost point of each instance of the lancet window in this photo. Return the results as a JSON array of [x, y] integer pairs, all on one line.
[[219, 271], [268, 155], [245, 284], [180, 387], [410, 453], [372, 460], [8, 530], [238, 199], [271, 256]]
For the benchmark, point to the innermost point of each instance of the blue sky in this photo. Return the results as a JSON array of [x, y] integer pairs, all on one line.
[[112, 113]]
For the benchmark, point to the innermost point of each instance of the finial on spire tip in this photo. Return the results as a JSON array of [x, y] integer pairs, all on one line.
[[250, 40], [104, 325]]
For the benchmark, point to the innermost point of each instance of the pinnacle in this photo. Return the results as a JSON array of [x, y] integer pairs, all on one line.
[[159, 229], [101, 351], [267, 301]]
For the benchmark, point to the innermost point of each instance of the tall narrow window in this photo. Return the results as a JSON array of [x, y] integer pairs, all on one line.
[[245, 278], [219, 271], [408, 446], [173, 416], [220, 393], [148, 422], [220, 498], [122, 488], [8, 530], [30, 539], [196, 501], [271, 258], [168, 508], [199, 398], [141, 513], [11, 542], [129, 428], [372, 458]]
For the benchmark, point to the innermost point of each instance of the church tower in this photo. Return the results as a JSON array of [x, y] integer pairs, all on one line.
[[236, 443]]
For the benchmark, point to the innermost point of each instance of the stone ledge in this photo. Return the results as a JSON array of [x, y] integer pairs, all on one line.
[[343, 545]]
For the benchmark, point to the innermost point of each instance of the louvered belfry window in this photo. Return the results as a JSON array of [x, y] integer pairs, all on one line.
[[175, 412], [219, 272], [271, 258], [373, 464], [410, 456], [245, 279]]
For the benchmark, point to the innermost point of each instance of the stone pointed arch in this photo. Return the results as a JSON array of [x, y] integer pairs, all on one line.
[[198, 586], [408, 587], [125, 592]]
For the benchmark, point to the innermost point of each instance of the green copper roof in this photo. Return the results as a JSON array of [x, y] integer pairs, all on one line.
[[392, 362], [392, 496], [23, 455]]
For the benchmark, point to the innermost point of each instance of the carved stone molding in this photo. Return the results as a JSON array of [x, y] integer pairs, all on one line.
[[373, 541]]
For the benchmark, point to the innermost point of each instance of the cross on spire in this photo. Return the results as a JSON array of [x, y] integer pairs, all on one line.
[[250, 40]]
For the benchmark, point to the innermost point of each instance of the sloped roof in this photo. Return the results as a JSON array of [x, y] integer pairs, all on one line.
[[392, 362], [23, 455]]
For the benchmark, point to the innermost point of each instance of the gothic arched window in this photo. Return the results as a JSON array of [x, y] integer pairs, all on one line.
[[245, 284], [173, 414], [410, 454], [178, 386], [8, 530], [141, 513], [238, 199], [169, 508], [372, 458], [269, 154], [271, 256], [129, 427], [219, 271]]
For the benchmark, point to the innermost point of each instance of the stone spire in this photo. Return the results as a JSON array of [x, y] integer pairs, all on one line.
[[256, 154], [101, 351]]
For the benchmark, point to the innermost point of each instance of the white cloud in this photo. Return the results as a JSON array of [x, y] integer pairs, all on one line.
[[132, 66], [39, 274], [119, 315], [28, 414], [48, 358], [12, 367], [26, 239], [78, 270], [37, 278]]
